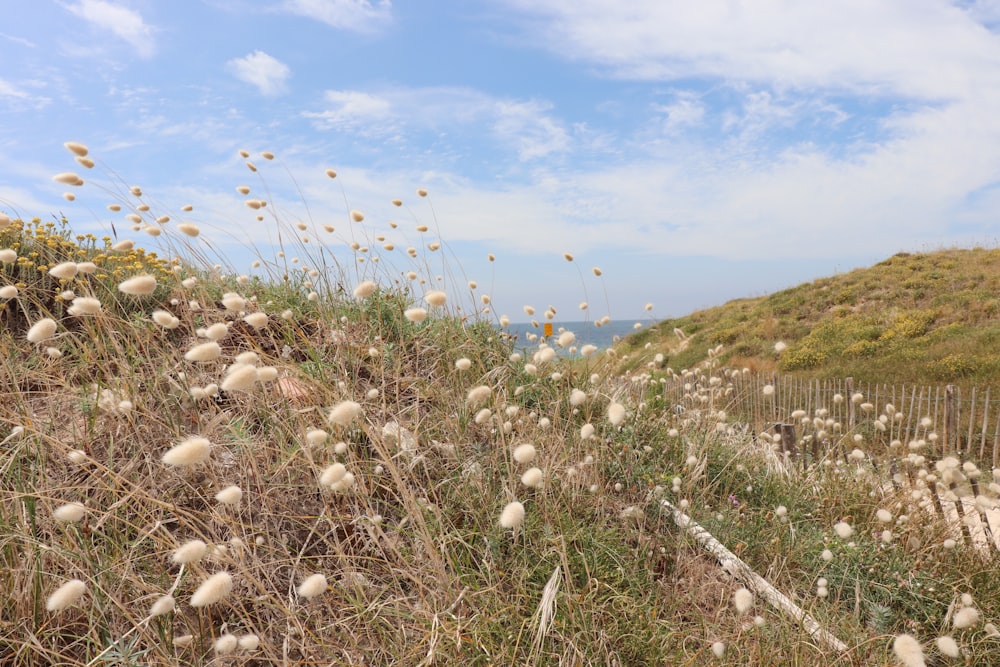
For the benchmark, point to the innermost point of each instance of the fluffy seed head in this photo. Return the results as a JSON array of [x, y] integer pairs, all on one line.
[[162, 606], [742, 600], [213, 589], [42, 330], [312, 586], [209, 351], [908, 650], [463, 364], [256, 320], [948, 647], [533, 478], [231, 495], [68, 178], [616, 413], [84, 305], [190, 452], [189, 552], [344, 413], [512, 515], [7, 255], [436, 298], [66, 595], [240, 377], [415, 315], [365, 289], [138, 285], [885, 516], [226, 644], [333, 474], [718, 649], [565, 339], [478, 395], [76, 148], [63, 270], [70, 512], [165, 319], [188, 229], [843, 530], [249, 642], [966, 617], [524, 453], [233, 301]]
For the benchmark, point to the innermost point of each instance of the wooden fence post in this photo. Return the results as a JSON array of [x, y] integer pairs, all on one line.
[[949, 418]]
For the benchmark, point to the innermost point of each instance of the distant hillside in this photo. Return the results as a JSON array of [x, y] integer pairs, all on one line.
[[931, 317]]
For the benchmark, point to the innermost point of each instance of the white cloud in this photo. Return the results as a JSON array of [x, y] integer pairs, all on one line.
[[125, 23], [526, 126], [932, 50], [686, 111], [262, 70], [17, 98], [353, 109], [356, 15], [530, 129]]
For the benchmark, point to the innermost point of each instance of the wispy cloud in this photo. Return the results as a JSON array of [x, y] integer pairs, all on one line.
[[264, 71], [126, 24], [354, 15], [527, 126], [17, 98], [18, 40]]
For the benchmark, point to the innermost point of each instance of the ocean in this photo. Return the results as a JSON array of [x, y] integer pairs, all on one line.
[[603, 337]]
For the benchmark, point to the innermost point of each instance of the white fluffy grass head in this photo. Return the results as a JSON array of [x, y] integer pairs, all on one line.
[[908, 650], [512, 515], [231, 495], [190, 452], [533, 478], [138, 285], [240, 377], [364, 289], [189, 552], [524, 453], [42, 330], [966, 617], [436, 298], [66, 595], [203, 352], [70, 512], [742, 600], [213, 589], [843, 530], [478, 395], [164, 605], [616, 414], [312, 586], [415, 315], [344, 413], [948, 647], [63, 270], [84, 305]]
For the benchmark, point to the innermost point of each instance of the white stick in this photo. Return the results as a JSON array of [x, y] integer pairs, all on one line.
[[732, 564]]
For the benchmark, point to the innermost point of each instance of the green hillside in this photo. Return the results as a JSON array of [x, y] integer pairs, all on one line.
[[929, 317]]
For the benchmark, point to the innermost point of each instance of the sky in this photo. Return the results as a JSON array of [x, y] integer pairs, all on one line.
[[696, 152]]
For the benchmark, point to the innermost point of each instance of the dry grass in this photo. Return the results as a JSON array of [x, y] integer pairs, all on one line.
[[419, 570]]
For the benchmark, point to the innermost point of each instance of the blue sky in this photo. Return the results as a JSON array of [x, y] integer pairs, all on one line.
[[696, 152]]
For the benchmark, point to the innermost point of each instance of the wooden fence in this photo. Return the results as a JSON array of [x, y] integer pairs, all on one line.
[[949, 419]]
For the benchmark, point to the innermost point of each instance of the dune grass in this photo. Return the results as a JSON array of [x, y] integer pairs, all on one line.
[[342, 481], [927, 317]]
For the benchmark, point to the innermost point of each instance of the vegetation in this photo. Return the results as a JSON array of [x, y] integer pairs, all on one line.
[[931, 317], [327, 467]]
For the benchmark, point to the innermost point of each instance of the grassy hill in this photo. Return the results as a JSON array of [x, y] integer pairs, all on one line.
[[929, 317], [338, 467]]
